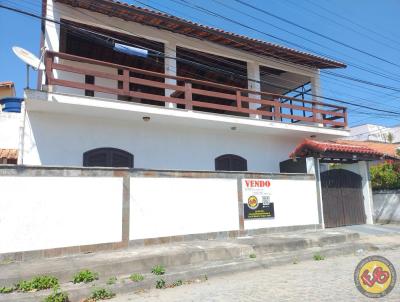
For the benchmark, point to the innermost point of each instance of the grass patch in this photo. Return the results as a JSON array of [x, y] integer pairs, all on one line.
[[318, 257], [253, 256], [85, 276], [136, 277], [158, 270], [37, 283]]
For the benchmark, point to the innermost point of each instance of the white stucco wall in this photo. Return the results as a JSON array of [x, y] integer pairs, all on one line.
[[10, 124], [61, 139], [176, 206], [295, 203], [50, 212]]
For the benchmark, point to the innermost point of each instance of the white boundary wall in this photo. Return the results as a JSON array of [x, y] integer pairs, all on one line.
[[45, 208], [49, 212], [162, 207]]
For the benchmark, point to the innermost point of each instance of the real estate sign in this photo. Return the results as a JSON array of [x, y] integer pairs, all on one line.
[[256, 195]]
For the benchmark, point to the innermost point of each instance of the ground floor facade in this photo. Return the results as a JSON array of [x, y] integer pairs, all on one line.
[[62, 139]]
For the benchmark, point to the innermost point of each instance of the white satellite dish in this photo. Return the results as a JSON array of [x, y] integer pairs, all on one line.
[[30, 60]]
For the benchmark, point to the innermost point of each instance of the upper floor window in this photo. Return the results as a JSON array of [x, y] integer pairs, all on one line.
[[230, 162], [107, 157]]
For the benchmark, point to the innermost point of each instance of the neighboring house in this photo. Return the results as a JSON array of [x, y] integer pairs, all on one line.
[[375, 133], [7, 89], [215, 101], [10, 125]]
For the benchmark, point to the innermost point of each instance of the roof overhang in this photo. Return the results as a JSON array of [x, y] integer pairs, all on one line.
[[174, 24], [335, 152]]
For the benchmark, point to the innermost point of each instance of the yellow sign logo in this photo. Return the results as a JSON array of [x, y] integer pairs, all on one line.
[[375, 276], [252, 202]]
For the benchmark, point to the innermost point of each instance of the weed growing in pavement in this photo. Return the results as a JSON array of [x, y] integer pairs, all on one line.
[[177, 283], [101, 294], [37, 283], [136, 277], [111, 280], [6, 290], [57, 296], [318, 257], [253, 255], [158, 270], [85, 276], [160, 284]]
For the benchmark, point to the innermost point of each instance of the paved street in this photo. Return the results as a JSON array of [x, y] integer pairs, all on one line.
[[309, 281]]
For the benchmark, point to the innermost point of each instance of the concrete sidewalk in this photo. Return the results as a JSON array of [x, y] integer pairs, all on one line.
[[186, 260]]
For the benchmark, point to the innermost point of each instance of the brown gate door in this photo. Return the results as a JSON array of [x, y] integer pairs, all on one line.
[[342, 198]]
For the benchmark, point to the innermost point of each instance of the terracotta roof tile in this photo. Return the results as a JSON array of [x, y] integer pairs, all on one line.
[[326, 146], [385, 148], [9, 154]]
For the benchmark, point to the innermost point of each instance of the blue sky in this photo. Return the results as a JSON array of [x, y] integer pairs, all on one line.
[[369, 25]]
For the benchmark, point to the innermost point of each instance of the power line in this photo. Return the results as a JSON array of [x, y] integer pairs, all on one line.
[[316, 33], [316, 43]]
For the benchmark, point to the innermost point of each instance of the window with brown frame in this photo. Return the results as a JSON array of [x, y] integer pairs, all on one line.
[[230, 162], [108, 157]]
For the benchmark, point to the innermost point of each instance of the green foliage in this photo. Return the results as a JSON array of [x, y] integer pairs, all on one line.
[[318, 257], [136, 277], [160, 283], [253, 255], [112, 280], [101, 294], [37, 283], [385, 176], [158, 270], [6, 290], [85, 276], [177, 283], [57, 296]]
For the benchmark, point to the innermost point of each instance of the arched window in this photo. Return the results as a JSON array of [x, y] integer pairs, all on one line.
[[230, 162], [107, 157]]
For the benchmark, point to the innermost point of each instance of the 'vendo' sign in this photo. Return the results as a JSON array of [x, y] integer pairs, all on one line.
[[257, 198]]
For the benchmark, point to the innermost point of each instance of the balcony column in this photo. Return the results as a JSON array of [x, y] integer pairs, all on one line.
[[253, 72], [170, 69], [316, 90]]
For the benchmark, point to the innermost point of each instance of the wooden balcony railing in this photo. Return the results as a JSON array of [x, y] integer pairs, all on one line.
[[190, 93]]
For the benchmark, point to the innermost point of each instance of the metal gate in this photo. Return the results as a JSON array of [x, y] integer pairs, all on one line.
[[342, 198]]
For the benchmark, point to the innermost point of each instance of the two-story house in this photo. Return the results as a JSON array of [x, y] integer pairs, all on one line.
[[128, 86]]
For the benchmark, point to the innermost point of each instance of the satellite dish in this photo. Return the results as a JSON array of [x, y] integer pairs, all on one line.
[[30, 60], [28, 57]]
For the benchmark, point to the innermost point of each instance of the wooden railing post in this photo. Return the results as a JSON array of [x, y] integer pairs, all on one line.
[[277, 110], [239, 99], [314, 113], [125, 82], [345, 117], [49, 68], [188, 95]]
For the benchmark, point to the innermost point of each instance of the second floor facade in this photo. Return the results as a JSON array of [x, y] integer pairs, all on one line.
[[111, 51]]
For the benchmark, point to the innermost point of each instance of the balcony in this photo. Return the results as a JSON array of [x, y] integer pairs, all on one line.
[[79, 75]]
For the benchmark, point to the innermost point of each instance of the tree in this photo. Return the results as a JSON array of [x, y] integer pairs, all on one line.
[[389, 137]]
